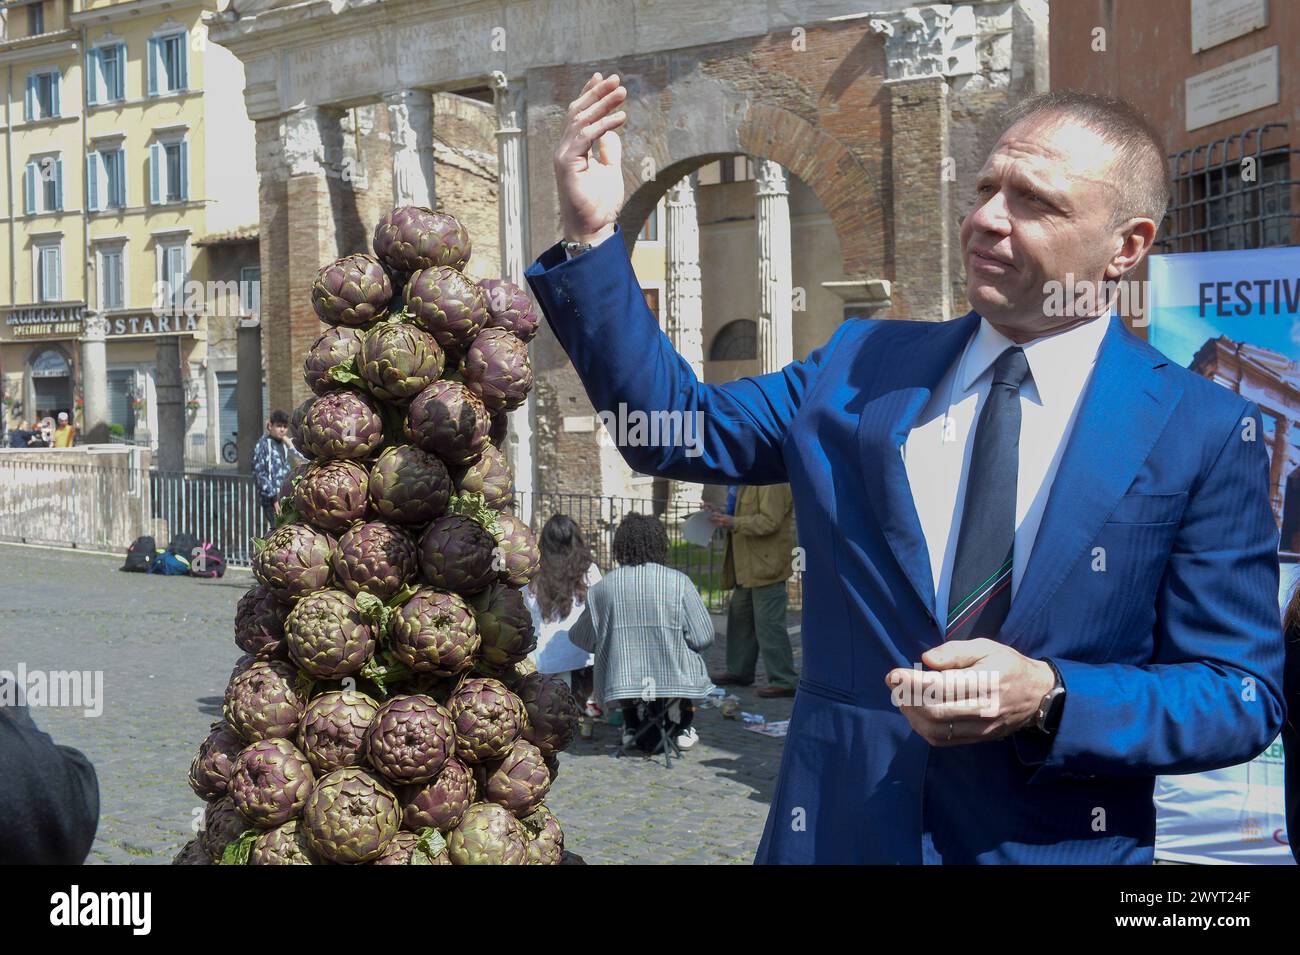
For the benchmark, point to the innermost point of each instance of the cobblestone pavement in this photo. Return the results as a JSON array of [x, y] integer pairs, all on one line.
[[165, 647]]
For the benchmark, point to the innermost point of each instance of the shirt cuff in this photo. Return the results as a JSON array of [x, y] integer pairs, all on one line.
[[594, 245]]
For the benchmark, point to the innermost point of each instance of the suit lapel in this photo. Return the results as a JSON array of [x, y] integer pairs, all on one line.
[[911, 362], [1122, 412]]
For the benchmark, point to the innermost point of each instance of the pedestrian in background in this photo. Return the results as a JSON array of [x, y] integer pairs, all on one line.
[[647, 626], [556, 597], [65, 433], [22, 435], [272, 460], [758, 561]]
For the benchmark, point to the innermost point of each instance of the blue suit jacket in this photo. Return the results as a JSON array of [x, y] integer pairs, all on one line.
[[1171, 655]]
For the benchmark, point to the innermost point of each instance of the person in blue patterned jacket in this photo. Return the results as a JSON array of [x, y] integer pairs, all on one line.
[[273, 458]]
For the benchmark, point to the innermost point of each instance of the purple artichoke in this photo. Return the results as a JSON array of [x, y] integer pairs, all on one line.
[[415, 237], [489, 476], [210, 770], [497, 369], [398, 360], [270, 782], [545, 837], [488, 835], [286, 844], [332, 494], [244, 661], [518, 550], [338, 346], [355, 290], [457, 553], [509, 307], [519, 780], [405, 849], [446, 303], [222, 825], [263, 701], [489, 718], [291, 479], [328, 636], [442, 802], [410, 739], [375, 558], [449, 420], [553, 712], [259, 622], [408, 485], [294, 561], [350, 816], [434, 632], [342, 424], [505, 625], [332, 731], [295, 429]]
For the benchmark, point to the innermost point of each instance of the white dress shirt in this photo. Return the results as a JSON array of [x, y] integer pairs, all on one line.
[[937, 451]]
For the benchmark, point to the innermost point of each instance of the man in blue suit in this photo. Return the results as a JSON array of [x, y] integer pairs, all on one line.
[[1041, 560]]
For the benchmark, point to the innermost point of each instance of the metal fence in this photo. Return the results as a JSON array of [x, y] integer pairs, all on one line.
[[106, 507]]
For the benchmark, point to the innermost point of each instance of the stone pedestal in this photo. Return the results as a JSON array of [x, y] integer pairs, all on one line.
[[169, 389], [410, 117], [248, 390], [775, 271], [94, 379]]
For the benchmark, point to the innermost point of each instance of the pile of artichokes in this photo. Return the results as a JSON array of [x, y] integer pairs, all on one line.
[[385, 710]]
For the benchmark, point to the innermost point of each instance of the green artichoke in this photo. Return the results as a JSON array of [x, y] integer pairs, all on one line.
[[376, 558], [553, 712], [332, 494], [294, 561], [457, 553], [434, 632], [449, 420], [406, 849], [410, 739], [342, 424], [222, 825], [509, 307], [263, 702], [415, 237], [488, 835], [505, 625], [441, 802], [355, 290], [448, 305], [545, 837], [329, 637], [408, 485], [489, 718], [259, 622], [210, 770], [286, 844], [398, 360], [497, 369], [489, 476], [350, 816], [332, 731], [519, 780], [518, 550], [270, 782], [338, 346]]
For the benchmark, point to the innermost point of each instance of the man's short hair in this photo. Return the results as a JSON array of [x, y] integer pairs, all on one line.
[[279, 417], [1143, 178]]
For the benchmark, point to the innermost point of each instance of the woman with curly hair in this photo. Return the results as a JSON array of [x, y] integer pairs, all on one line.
[[647, 626], [556, 597]]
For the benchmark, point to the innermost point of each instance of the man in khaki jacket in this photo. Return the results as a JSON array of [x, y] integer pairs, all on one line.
[[757, 564]]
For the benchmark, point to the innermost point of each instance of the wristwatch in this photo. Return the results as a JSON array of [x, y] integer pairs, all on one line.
[[575, 249], [1048, 717]]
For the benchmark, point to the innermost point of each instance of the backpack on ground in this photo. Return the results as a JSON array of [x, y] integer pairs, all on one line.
[[140, 555], [183, 545], [170, 565], [207, 561]]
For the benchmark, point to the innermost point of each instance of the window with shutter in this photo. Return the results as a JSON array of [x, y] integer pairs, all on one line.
[[93, 193], [155, 173], [94, 77], [29, 189]]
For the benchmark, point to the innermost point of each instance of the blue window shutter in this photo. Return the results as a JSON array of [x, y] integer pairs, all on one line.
[[185, 169], [183, 81], [94, 74], [54, 93], [155, 164], [58, 184], [92, 182], [29, 193], [153, 66], [29, 101], [119, 83], [120, 172]]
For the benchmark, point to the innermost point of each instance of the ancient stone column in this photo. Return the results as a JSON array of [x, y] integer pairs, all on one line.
[[775, 272], [170, 391], [512, 206], [94, 378], [684, 314], [410, 118], [248, 390]]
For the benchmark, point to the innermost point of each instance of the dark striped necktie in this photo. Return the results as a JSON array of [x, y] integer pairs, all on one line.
[[979, 595]]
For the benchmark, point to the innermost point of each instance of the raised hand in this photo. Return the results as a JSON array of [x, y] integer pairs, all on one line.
[[588, 161]]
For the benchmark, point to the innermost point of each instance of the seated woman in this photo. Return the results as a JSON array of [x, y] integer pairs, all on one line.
[[647, 627], [556, 598]]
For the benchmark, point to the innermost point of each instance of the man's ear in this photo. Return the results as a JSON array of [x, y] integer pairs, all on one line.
[[1134, 239]]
